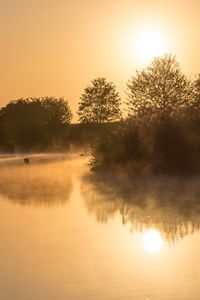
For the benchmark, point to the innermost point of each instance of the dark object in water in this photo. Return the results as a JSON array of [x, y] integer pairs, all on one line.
[[26, 160]]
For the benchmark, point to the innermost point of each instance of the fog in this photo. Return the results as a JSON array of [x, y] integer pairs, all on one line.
[[45, 180]]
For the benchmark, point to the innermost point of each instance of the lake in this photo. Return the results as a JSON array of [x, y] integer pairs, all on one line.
[[65, 235]]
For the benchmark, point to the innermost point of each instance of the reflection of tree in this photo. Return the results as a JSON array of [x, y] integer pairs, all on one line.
[[35, 184], [170, 205]]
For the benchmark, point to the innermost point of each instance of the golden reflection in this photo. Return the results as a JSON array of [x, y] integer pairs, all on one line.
[[152, 241], [171, 206], [45, 181]]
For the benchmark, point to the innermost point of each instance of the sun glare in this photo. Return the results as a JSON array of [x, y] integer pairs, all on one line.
[[146, 43], [152, 241]]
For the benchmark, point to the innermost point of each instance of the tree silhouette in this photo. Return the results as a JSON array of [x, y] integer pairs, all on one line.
[[99, 103], [33, 121], [197, 85], [196, 103], [161, 87]]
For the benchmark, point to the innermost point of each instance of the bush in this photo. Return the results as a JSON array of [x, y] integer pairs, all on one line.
[[164, 144]]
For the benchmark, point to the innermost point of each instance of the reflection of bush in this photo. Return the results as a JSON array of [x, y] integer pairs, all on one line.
[[170, 205], [36, 184]]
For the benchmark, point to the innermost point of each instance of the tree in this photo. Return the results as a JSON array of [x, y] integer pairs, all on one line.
[[33, 121], [99, 103], [57, 113], [196, 85], [161, 87]]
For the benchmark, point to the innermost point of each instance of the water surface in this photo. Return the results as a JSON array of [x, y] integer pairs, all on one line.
[[67, 236]]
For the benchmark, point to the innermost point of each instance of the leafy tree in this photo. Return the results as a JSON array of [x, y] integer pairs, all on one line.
[[33, 121], [161, 87], [196, 85], [99, 103], [57, 113]]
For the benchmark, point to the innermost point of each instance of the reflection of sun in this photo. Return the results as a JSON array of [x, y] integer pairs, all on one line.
[[152, 241]]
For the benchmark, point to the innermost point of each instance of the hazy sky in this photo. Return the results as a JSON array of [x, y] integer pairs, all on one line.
[[56, 47]]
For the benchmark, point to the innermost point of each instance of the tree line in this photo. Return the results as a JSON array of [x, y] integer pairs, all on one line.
[[158, 91], [33, 123], [161, 87]]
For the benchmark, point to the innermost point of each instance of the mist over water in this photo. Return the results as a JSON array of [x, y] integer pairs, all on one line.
[[168, 204], [44, 181], [67, 234]]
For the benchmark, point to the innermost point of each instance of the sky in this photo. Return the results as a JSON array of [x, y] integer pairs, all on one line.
[[56, 47]]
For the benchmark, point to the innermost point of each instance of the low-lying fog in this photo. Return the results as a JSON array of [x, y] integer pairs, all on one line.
[[45, 178]]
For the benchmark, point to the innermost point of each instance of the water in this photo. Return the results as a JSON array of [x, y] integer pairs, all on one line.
[[67, 236]]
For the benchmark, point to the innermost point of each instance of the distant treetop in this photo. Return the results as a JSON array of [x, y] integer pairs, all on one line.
[[33, 121], [99, 103]]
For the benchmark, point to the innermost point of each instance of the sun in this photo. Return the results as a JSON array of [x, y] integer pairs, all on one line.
[[145, 43], [152, 241], [150, 44]]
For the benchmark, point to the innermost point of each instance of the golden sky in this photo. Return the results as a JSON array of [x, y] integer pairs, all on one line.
[[56, 47]]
